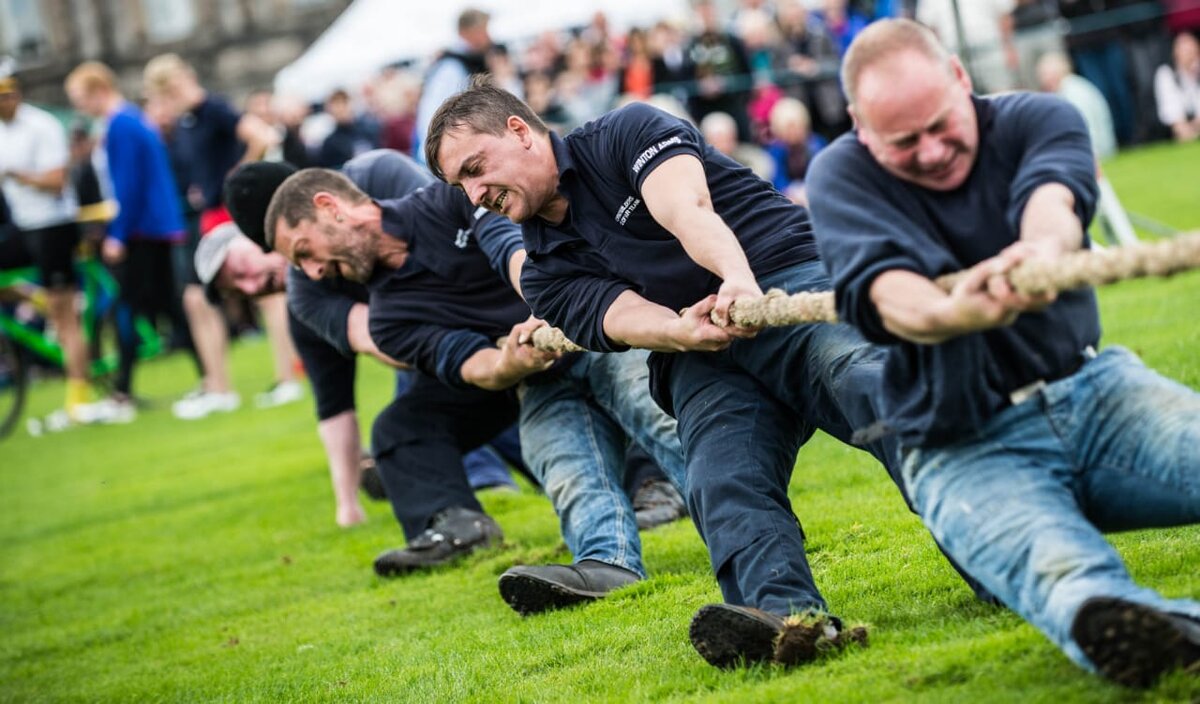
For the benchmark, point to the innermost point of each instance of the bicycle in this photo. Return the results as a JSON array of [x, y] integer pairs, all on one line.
[[20, 339]]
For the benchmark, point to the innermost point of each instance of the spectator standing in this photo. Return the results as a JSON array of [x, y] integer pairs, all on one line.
[[452, 70], [218, 138], [33, 176], [1037, 31], [137, 171], [347, 139], [811, 55], [722, 70], [1098, 55]]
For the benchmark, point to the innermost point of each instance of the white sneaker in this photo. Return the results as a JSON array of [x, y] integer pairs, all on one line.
[[107, 411], [282, 392], [204, 404]]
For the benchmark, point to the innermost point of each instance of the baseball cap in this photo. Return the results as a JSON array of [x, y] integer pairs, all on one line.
[[210, 256], [248, 192]]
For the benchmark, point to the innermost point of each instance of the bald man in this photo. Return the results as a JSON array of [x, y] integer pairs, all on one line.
[[1021, 445]]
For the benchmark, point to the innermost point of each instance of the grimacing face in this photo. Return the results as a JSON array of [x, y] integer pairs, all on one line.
[[326, 248], [497, 172], [251, 271], [916, 117]]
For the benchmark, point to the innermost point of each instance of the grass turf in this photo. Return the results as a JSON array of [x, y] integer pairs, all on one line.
[[168, 561]]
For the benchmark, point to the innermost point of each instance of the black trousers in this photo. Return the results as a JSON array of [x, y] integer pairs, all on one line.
[[419, 440], [147, 285]]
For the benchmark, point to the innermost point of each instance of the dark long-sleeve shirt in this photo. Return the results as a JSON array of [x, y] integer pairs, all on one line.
[[868, 222]]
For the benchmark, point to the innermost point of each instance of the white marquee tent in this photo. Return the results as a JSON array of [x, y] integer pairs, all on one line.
[[371, 34]]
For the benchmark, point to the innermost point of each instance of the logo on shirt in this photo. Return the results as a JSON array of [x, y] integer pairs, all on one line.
[[462, 238], [646, 156], [627, 209]]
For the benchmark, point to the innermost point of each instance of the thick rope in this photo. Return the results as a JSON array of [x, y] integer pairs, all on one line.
[[1083, 269]]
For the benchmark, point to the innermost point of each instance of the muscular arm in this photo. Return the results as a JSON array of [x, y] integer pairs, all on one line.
[[634, 321], [914, 308], [676, 195]]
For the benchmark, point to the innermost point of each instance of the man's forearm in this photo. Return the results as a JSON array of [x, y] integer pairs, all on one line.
[[1050, 222], [914, 308], [634, 321], [710, 243], [486, 370]]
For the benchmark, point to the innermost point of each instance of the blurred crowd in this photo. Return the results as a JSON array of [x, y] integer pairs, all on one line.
[[762, 79]]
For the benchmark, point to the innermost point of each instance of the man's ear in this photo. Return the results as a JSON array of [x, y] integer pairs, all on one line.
[[326, 202], [859, 131], [520, 128]]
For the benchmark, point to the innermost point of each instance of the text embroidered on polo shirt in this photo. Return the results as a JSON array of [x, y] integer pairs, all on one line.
[[627, 209], [646, 156]]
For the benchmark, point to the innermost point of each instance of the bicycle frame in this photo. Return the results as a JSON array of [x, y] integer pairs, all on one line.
[[100, 294]]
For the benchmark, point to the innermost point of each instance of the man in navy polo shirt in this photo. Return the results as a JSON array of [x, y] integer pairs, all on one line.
[[626, 221], [1021, 443], [444, 297], [328, 324]]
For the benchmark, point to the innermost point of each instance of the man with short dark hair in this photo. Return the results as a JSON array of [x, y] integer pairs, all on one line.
[[629, 219], [1021, 443], [328, 323], [445, 298]]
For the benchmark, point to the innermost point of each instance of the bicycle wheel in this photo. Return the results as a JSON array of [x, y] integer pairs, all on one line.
[[13, 381]]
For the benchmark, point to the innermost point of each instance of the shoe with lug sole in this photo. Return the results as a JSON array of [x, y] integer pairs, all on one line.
[[1133, 644], [531, 589]]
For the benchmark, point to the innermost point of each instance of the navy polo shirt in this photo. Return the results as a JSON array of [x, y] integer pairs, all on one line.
[[869, 222], [209, 133], [452, 297], [609, 242]]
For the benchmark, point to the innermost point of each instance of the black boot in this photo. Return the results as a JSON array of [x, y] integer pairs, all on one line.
[[531, 589], [452, 533], [1133, 644]]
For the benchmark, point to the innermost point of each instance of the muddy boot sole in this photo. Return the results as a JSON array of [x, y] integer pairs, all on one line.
[[727, 637], [1132, 644]]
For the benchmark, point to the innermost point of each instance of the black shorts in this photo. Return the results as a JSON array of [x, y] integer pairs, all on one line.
[[53, 250]]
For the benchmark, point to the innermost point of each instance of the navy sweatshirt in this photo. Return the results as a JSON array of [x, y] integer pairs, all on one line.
[[868, 222]]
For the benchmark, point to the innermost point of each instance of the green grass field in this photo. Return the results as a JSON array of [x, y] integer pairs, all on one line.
[[173, 561]]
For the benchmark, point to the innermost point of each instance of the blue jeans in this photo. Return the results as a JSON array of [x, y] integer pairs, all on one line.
[[574, 431], [743, 415], [1022, 505]]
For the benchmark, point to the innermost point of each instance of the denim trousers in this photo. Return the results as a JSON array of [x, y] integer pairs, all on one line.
[[743, 415], [574, 431], [1023, 504]]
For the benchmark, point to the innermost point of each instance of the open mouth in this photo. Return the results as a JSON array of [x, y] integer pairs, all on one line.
[[498, 203]]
